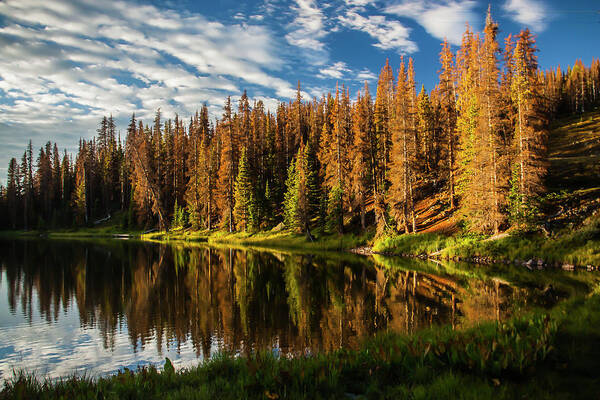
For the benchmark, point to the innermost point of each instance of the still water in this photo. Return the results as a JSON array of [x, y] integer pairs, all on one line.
[[96, 307]]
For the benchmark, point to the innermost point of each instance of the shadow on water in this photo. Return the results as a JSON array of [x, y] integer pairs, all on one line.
[[161, 298]]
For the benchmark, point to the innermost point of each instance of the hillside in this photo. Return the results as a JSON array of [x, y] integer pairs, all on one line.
[[573, 179]]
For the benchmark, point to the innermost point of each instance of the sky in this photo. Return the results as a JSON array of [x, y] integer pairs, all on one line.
[[65, 64]]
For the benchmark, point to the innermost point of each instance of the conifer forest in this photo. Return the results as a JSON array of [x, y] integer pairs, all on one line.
[[476, 142]]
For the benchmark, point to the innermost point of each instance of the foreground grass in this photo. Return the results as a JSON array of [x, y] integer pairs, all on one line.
[[542, 355]]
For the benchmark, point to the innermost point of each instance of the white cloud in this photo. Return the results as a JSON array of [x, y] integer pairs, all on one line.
[[389, 34], [66, 64], [532, 13], [308, 29], [365, 75], [441, 19], [335, 71], [359, 3]]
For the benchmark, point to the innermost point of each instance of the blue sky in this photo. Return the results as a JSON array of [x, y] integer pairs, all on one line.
[[65, 64]]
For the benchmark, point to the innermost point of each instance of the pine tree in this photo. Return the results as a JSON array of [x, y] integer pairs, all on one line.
[[529, 127], [12, 194], [196, 174], [363, 153], [382, 116], [447, 94], [403, 153], [493, 182], [43, 183], [80, 195], [290, 202], [56, 178], [245, 209], [228, 166], [425, 125], [304, 194], [335, 209], [469, 154], [148, 191]]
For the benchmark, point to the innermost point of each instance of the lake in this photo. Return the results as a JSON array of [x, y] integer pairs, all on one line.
[[98, 306]]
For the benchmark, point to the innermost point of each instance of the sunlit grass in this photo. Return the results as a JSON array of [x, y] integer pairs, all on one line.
[[268, 240], [579, 247]]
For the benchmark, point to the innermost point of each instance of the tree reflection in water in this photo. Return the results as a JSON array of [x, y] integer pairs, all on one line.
[[236, 300]]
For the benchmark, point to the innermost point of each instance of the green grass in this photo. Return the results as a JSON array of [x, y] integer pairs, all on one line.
[[268, 240], [540, 355], [579, 247], [420, 244]]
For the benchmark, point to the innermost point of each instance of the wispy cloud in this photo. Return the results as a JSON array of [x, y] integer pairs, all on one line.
[[335, 71], [359, 3], [388, 34], [88, 51], [441, 19], [532, 13], [365, 75], [308, 29], [66, 64]]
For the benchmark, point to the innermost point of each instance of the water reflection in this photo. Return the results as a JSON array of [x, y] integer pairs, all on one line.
[[144, 302]]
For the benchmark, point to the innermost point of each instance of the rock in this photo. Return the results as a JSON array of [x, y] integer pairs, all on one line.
[[362, 250], [568, 267]]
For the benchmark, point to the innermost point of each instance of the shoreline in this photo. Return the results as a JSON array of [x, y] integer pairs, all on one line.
[[567, 251]]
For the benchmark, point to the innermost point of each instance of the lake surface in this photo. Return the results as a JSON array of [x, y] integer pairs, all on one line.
[[95, 307]]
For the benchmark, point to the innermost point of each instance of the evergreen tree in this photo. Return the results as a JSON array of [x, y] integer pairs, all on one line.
[[12, 192], [363, 152], [290, 202], [490, 127], [402, 174], [335, 209], [428, 151], [530, 140], [447, 94], [245, 209], [228, 166]]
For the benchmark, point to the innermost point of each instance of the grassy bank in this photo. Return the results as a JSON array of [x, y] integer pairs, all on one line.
[[578, 247], [268, 240], [542, 355]]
